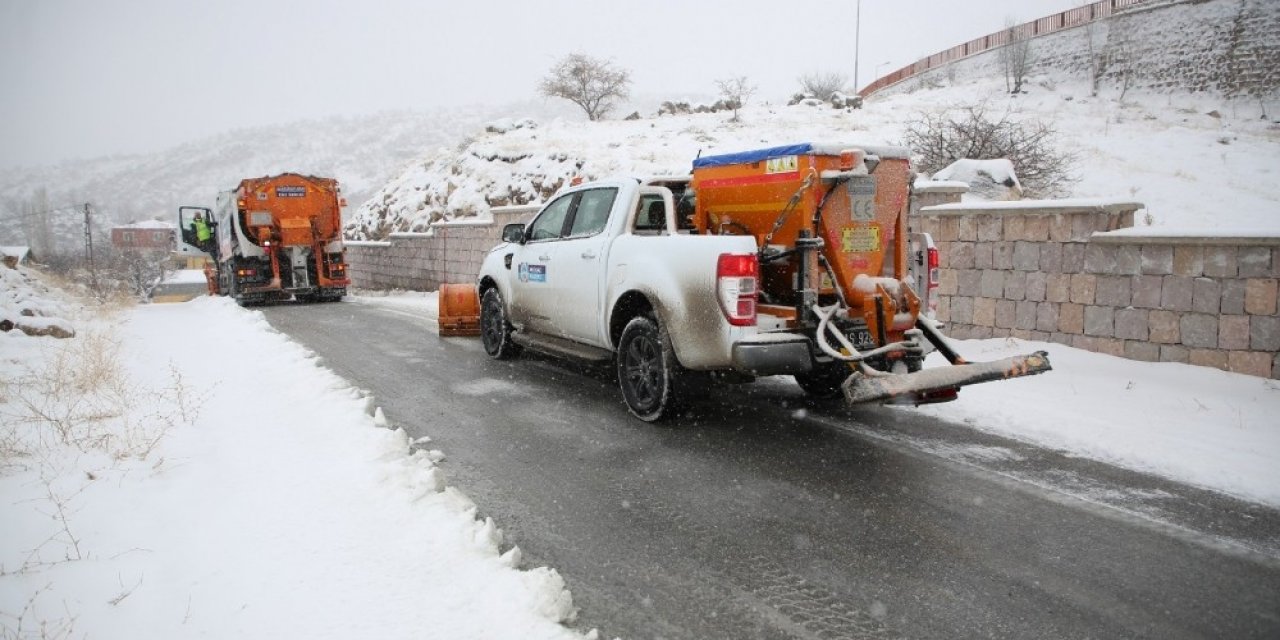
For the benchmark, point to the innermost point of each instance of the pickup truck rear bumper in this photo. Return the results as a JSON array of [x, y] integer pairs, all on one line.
[[769, 354]]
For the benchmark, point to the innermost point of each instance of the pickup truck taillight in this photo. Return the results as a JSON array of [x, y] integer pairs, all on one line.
[[933, 267], [933, 279], [736, 278]]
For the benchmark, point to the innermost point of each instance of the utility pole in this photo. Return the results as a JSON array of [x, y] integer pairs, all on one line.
[[88, 248], [857, 35]]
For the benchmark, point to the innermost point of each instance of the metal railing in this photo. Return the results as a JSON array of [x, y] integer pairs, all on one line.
[[1049, 24]]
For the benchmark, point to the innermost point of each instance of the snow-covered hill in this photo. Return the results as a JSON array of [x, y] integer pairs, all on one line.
[[1198, 162], [363, 153]]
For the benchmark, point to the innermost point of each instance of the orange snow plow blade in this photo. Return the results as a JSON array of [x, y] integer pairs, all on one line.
[[939, 384], [459, 310]]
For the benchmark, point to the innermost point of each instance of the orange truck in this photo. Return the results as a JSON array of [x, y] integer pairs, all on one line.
[[789, 260], [272, 239]]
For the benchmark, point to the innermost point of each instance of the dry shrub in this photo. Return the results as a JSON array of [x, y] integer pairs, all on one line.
[[81, 398], [822, 85], [940, 138]]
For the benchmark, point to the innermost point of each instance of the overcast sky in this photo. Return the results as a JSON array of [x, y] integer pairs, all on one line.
[[82, 78]]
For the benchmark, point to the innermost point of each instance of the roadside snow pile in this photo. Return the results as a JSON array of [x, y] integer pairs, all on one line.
[[201, 503], [987, 179], [1183, 155], [30, 307]]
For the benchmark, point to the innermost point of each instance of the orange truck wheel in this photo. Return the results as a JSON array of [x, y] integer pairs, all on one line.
[[459, 310]]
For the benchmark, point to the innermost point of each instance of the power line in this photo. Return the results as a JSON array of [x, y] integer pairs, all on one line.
[[75, 208]]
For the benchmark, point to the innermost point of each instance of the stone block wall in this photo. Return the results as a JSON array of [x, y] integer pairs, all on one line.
[[1037, 271], [449, 252]]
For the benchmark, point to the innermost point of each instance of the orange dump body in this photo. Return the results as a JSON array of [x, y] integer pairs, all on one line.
[[862, 223], [304, 209], [292, 210]]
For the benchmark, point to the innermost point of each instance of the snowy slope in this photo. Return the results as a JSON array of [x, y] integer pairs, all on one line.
[[363, 153], [1198, 162]]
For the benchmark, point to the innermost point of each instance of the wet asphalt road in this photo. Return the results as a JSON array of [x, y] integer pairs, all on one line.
[[760, 515]]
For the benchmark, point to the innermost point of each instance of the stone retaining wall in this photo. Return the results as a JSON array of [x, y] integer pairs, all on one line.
[[449, 252], [1034, 270], [1224, 46], [1038, 271]]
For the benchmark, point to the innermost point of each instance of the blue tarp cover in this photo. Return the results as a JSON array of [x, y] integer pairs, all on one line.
[[753, 156]]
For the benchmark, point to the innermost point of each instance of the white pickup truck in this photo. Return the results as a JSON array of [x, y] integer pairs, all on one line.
[[606, 273], [787, 260]]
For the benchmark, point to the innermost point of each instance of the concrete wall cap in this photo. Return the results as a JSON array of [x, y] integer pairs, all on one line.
[[1227, 238], [941, 186], [1033, 207], [517, 208]]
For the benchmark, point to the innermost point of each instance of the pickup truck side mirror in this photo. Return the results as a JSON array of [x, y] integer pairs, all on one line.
[[513, 232]]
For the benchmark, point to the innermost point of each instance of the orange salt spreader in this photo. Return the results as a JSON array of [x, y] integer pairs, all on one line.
[[459, 310], [831, 224]]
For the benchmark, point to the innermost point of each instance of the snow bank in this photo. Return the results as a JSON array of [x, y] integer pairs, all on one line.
[[1197, 425], [277, 507]]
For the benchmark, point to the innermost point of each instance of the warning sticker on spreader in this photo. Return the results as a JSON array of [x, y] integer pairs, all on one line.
[[860, 239], [785, 164], [862, 198], [287, 191]]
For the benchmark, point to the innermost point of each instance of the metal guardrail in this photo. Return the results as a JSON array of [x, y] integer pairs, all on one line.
[[1043, 26]]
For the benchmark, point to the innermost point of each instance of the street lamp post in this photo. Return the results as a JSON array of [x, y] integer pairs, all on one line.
[[857, 36]]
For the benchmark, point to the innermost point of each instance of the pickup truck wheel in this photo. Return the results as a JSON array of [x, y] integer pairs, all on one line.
[[495, 330], [824, 381], [646, 369]]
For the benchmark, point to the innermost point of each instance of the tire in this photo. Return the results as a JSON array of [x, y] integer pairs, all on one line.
[[824, 381], [647, 369], [495, 329], [233, 287]]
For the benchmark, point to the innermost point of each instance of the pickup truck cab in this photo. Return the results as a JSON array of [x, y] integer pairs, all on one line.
[[609, 272]]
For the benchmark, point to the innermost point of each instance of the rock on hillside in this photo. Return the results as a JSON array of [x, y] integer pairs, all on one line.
[[526, 163]]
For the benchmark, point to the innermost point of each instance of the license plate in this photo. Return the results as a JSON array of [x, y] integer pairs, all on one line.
[[861, 339]]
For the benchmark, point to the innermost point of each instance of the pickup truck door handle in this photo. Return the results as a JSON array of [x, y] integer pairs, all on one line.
[[588, 255], [545, 258]]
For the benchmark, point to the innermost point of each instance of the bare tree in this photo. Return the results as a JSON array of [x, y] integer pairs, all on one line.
[[1015, 57], [36, 222], [822, 84], [139, 271], [591, 83], [1097, 61], [736, 92], [1120, 62]]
